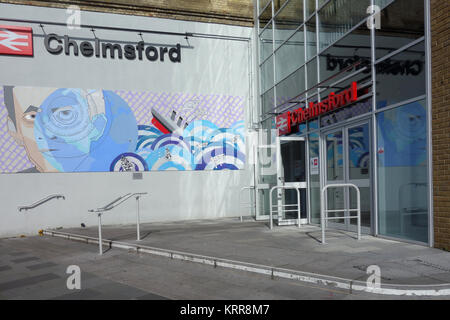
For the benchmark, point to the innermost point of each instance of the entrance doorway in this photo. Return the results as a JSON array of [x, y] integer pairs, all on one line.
[[347, 154], [291, 173]]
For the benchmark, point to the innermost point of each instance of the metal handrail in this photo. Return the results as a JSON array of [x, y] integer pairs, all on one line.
[[286, 205], [324, 208], [42, 201], [112, 205], [250, 204]]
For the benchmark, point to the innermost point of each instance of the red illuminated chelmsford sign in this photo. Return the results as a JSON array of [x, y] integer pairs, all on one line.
[[290, 119], [16, 40]]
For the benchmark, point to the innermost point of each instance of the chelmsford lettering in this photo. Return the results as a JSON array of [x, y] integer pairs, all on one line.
[[290, 119], [58, 44]]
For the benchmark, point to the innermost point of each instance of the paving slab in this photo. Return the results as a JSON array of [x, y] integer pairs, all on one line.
[[291, 247]]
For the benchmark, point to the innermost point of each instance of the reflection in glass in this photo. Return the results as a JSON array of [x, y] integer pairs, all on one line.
[[402, 172], [401, 77], [335, 161], [353, 50], [401, 23], [359, 152]]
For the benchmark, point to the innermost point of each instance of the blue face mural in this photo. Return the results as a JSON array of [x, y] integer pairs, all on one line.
[[79, 130]]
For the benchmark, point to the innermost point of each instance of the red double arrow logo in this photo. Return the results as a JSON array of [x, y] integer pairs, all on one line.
[[16, 40]]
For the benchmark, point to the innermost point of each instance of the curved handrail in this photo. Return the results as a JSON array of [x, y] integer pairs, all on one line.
[[324, 208], [42, 201], [112, 205], [117, 202]]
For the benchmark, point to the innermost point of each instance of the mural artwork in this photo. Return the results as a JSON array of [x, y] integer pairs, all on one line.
[[78, 130]]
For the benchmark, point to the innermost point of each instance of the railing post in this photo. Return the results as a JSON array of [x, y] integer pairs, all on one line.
[[358, 195], [271, 208], [138, 231], [322, 214], [100, 242]]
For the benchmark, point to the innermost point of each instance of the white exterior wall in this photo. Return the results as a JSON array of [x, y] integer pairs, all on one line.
[[209, 66]]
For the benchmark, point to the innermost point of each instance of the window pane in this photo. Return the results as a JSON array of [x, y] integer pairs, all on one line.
[[277, 4], [288, 20], [312, 73], [353, 49], [267, 75], [310, 7], [267, 101], [311, 40], [266, 43], [290, 56], [291, 86], [262, 4], [338, 17], [401, 77], [402, 172], [265, 16], [401, 23]]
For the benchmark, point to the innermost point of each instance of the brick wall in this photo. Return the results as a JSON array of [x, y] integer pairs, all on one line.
[[440, 52], [234, 12]]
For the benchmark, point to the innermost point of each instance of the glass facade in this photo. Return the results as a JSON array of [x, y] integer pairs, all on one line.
[[310, 49]]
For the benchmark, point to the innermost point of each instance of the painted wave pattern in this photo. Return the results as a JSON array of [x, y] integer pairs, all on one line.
[[201, 146]]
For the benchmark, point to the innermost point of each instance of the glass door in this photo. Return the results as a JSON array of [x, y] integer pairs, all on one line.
[[291, 172], [348, 160], [359, 172]]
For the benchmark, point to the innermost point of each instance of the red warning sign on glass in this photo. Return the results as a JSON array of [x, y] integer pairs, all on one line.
[[16, 40]]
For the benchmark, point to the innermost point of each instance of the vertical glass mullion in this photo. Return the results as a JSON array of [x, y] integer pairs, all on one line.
[[374, 132], [317, 51], [305, 44], [429, 122], [273, 56]]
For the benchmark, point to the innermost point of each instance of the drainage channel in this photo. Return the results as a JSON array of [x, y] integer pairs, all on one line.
[[322, 280]]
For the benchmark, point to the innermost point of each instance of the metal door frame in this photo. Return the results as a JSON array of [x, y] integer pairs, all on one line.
[[346, 175], [298, 185]]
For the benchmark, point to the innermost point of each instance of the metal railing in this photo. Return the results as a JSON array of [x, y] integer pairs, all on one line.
[[284, 205], [42, 201], [112, 205], [324, 208], [246, 205]]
